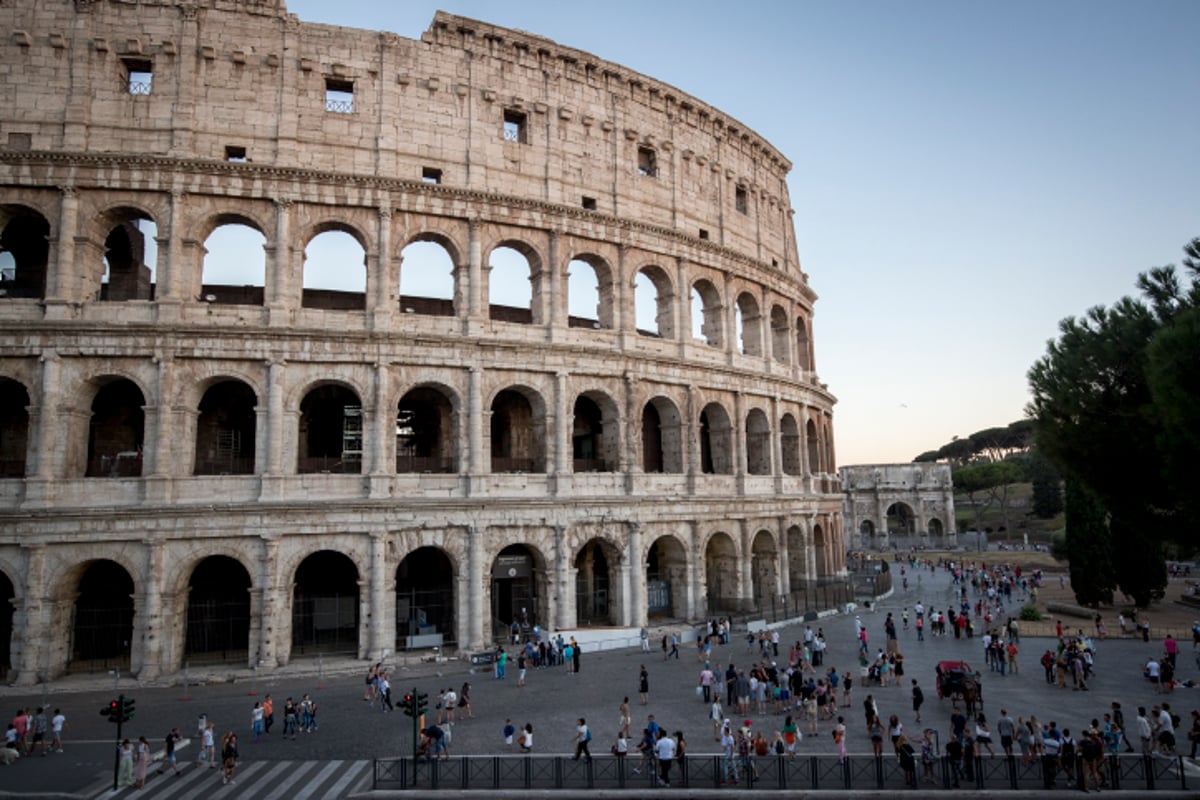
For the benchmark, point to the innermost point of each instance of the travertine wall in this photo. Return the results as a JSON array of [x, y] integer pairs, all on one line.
[[81, 153]]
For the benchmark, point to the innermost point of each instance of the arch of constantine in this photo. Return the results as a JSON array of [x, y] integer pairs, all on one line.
[[898, 504], [566, 374]]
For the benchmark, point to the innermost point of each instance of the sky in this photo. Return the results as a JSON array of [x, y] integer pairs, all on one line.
[[965, 175]]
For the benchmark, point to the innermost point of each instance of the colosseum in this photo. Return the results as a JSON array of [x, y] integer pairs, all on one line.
[[560, 371]]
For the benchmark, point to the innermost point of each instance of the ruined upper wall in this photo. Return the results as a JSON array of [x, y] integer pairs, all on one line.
[[243, 76]]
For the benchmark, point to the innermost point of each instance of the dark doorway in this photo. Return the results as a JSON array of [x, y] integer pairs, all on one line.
[[331, 431], [225, 430], [424, 422], [325, 606], [102, 633], [593, 586], [116, 431], [514, 590], [7, 595], [425, 600], [218, 611], [14, 428]]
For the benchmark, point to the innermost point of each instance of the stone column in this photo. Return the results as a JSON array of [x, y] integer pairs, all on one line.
[[276, 631], [739, 441], [45, 450], [732, 345], [33, 640], [382, 279], [563, 588], [555, 290], [746, 566], [383, 426], [476, 580], [274, 445], [625, 618], [624, 319], [383, 623], [637, 577], [475, 422], [631, 465], [63, 279], [776, 429], [805, 471], [147, 656], [280, 291], [169, 277], [695, 598], [784, 570], [691, 444], [476, 307], [564, 421]]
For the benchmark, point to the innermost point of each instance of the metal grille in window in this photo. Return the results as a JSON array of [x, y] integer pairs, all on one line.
[[339, 96], [339, 106], [139, 86]]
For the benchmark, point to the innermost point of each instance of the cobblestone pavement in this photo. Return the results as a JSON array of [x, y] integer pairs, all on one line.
[[552, 700]]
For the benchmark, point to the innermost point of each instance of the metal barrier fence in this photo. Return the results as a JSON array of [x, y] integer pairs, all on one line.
[[857, 772]]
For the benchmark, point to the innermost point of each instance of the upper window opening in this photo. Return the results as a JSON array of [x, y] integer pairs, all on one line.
[[647, 161], [339, 96], [589, 203], [740, 201], [431, 175], [515, 126], [234, 153], [139, 75], [703, 234]]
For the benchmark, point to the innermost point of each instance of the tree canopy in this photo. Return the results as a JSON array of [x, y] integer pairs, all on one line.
[[1113, 405]]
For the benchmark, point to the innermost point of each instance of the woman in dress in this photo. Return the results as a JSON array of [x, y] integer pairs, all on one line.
[[125, 764], [229, 756], [464, 702], [141, 762]]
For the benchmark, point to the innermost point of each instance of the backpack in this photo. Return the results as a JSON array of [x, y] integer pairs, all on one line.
[[779, 750], [588, 737], [1068, 748]]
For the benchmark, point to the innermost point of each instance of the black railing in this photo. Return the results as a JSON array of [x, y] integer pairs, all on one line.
[[857, 772], [316, 464], [408, 464]]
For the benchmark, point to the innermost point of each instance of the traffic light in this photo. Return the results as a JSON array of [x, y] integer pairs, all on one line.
[[112, 711], [127, 711], [406, 704], [421, 704]]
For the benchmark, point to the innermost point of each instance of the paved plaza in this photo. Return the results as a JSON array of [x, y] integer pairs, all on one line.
[[332, 761]]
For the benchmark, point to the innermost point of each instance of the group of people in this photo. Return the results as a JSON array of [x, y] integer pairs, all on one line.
[[32, 731]]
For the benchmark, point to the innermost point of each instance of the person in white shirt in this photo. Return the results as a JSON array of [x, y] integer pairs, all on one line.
[[582, 737], [57, 723], [665, 748]]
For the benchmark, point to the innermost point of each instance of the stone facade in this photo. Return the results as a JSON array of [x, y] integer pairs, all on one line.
[[898, 504], [374, 469]]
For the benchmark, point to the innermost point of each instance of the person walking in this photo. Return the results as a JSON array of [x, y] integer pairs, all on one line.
[[464, 702], [125, 764], [256, 721], [644, 684], [171, 740], [58, 724], [229, 757], [268, 714], [623, 717], [582, 737], [918, 699], [664, 748], [141, 760]]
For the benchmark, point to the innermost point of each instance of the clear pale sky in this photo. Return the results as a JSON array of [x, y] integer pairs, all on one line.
[[965, 174]]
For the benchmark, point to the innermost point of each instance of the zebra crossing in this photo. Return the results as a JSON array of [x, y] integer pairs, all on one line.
[[262, 780]]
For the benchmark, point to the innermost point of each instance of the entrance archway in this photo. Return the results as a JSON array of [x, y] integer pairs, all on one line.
[[14, 428], [102, 631], [798, 567], [666, 578], [425, 600], [116, 430], [325, 605], [901, 521], [218, 612], [721, 572], [935, 527], [866, 529], [819, 552], [763, 568], [595, 599], [518, 578]]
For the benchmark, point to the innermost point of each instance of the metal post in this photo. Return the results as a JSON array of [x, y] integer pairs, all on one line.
[[320, 670], [254, 684], [185, 682], [117, 749]]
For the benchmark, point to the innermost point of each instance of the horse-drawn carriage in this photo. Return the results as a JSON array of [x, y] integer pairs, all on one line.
[[956, 680]]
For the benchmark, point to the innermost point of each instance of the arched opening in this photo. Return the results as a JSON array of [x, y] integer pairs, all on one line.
[[8, 594], [779, 334], [325, 606], [820, 552], [716, 441], [758, 443], [218, 612], [814, 448], [595, 584], [518, 590], [707, 319], [935, 527], [14, 428], [335, 272], [425, 432], [510, 286], [662, 445], [789, 433], [425, 600], [763, 568], [518, 434], [666, 578], [595, 444], [427, 279], [653, 303], [866, 529], [331, 431], [721, 573], [901, 520], [130, 257], [225, 430], [589, 297], [803, 353], [102, 631], [116, 430], [24, 253], [798, 566], [749, 322], [235, 264]]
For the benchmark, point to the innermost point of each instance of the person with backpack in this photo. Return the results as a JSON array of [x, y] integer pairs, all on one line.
[[1066, 755], [1091, 750], [582, 737]]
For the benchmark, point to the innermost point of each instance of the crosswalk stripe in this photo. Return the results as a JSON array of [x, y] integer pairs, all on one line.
[[314, 783], [280, 790], [245, 775], [265, 780], [356, 770]]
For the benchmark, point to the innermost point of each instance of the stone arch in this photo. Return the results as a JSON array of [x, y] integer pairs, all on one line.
[[716, 441], [758, 443], [708, 314], [14, 428], [331, 429], [597, 587], [226, 429], [101, 627], [427, 430], [821, 552], [116, 430], [827, 449], [667, 577], [125, 237], [803, 345], [8, 599], [789, 435], [335, 268], [866, 529], [518, 431], [595, 433], [218, 611], [722, 576], [814, 447], [798, 557], [428, 275], [515, 278], [24, 252], [780, 335], [749, 323], [325, 605], [764, 572], [228, 275], [520, 588], [591, 292], [901, 520], [935, 527], [426, 579], [662, 441], [654, 301]]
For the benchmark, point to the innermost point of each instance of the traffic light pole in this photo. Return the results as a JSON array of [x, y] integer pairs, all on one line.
[[117, 751], [416, 734]]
